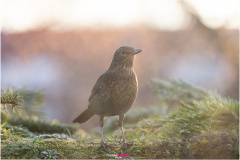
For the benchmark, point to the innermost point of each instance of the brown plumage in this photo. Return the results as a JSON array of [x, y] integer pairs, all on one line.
[[115, 91]]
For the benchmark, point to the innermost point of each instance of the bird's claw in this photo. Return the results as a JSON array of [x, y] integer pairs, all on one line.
[[124, 143], [104, 145]]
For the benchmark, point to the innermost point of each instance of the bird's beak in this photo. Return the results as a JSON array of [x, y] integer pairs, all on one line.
[[136, 51]]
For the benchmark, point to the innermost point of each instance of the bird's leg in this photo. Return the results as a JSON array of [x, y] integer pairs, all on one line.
[[120, 124], [102, 144], [123, 137]]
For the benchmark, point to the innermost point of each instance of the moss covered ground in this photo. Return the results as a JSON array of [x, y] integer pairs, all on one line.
[[187, 123]]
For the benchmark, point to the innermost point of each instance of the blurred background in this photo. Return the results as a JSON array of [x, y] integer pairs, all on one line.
[[61, 47]]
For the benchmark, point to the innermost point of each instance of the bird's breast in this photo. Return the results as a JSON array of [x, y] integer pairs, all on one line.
[[120, 92]]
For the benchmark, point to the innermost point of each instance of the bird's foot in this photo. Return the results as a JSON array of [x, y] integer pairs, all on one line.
[[104, 145], [124, 143]]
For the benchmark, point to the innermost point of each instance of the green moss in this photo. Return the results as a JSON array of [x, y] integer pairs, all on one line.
[[43, 148], [19, 150], [42, 126], [199, 126], [188, 120], [215, 145], [64, 148], [172, 149]]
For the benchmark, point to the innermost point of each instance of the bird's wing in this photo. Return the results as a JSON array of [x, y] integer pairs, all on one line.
[[99, 85]]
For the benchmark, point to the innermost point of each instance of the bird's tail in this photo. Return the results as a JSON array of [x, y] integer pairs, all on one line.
[[83, 117]]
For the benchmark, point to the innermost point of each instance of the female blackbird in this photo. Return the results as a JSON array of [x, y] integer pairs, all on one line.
[[115, 91]]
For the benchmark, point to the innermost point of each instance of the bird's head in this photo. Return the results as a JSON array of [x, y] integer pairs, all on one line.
[[124, 56]]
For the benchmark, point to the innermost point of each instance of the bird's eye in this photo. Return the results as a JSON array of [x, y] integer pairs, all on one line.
[[123, 52]]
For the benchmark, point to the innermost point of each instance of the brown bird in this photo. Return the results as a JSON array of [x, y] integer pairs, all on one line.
[[115, 91]]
